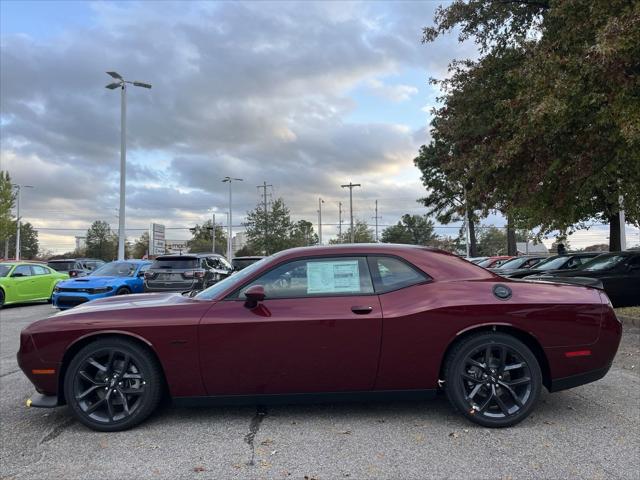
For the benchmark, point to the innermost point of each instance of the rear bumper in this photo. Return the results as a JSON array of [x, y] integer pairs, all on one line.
[[171, 286], [577, 380], [39, 400]]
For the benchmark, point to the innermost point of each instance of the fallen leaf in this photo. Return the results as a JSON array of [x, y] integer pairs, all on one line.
[[199, 469], [268, 441], [273, 452], [346, 432]]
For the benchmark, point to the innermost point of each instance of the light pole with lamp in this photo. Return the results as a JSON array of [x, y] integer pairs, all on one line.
[[230, 180], [122, 84], [18, 188]]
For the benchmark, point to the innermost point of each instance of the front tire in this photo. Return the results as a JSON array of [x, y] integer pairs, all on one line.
[[113, 384], [493, 379], [123, 291]]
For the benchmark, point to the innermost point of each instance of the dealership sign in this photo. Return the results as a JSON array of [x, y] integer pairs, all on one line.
[[156, 239]]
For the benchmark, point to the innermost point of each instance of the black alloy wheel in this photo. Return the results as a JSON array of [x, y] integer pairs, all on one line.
[[123, 291], [113, 384], [494, 379]]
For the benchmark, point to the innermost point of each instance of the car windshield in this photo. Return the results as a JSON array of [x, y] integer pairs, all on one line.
[[4, 269], [603, 262], [115, 269], [61, 266], [551, 263], [513, 263], [487, 262], [235, 279], [177, 263], [243, 263]]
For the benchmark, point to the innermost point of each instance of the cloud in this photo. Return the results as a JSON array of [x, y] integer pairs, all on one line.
[[257, 90]]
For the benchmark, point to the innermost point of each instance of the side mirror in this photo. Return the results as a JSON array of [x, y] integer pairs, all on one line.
[[254, 295]]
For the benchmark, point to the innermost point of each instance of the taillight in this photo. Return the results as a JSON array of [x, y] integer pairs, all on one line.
[[73, 273], [148, 275], [194, 273]]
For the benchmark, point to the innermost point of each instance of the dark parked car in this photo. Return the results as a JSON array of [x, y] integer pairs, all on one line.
[[619, 273], [326, 323], [182, 273], [556, 263], [75, 267], [517, 263], [243, 262]]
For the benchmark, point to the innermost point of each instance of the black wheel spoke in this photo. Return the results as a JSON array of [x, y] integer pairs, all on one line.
[[513, 366], [132, 391], [513, 394], [487, 402], [125, 402], [519, 381], [109, 401], [92, 388], [99, 366], [474, 391], [112, 355], [500, 403], [487, 356], [95, 406], [88, 378], [503, 359], [125, 364], [132, 376], [471, 378]]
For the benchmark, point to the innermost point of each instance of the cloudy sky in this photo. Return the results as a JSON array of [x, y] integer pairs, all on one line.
[[303, 96]]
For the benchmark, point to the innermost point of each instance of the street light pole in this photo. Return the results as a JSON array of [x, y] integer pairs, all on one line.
[[122, 84], [18, 219], [230, 180], [320, 202], [213, 234], [351, 185], [339, 222]]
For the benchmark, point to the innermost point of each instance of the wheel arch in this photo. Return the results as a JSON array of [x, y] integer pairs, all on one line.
[[85, 340], [525, 337]]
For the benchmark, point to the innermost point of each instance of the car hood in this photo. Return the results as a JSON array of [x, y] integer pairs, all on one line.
[[134, 301], [91, 282]]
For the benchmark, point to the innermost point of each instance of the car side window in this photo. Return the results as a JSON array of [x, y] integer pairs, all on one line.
[[315, 277], [390, 273], [573, 262], [39, 270], [24, 270]]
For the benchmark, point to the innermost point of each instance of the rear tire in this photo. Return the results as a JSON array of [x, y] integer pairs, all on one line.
[[123, 291], [493, 379], [1, 298], [113, 384]]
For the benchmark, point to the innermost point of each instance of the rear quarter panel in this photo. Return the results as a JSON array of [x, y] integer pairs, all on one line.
[[420, 322]]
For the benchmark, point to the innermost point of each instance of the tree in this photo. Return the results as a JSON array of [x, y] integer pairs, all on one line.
[[411, 229], [201, 240], [492, 241], [246, 251], [140, 247], [7, 200], [302, 234], [29, 245], [269, 233], [599, 247], [102, 243], [556, 87], [361, 234]]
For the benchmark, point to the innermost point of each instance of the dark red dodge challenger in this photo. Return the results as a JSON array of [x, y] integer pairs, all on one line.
[[326, 323]]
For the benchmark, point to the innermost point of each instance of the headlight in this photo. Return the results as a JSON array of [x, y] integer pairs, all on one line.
[[56, 289], [101, 290]]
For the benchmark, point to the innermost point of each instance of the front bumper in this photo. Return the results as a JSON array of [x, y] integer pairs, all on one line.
[[66, 300], [39, 400]]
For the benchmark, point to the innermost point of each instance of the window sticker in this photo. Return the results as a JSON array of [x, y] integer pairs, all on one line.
[[333, 277]]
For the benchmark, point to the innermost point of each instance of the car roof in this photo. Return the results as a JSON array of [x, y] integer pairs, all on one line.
[[189, 256], [249, 257]]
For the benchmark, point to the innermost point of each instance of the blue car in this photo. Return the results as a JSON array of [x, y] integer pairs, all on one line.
[[114, 278]]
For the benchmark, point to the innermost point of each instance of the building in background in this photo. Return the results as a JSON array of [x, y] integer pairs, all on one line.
[[239, 241]]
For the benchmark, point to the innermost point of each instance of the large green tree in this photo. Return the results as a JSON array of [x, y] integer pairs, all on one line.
[[101, 241], [302, 234], [7, 200], [201, 240], [29, 244], [557, 87], [362, 233], [411, 229], [140, 247]]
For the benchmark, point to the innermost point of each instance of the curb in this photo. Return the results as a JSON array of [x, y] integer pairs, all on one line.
[[629, 321]]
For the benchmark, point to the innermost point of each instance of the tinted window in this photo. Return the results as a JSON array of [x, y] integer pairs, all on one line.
[[25, 270], [39, 270], [391, 273], [316, 277], [177, 263], [62, 266], [603, 262], [233, 280], [4, 270], [115, 269], [552, 263]]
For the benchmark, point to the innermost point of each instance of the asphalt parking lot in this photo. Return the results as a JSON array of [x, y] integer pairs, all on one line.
[[589, 432]]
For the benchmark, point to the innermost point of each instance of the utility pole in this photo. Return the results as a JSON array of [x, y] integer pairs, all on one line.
[[351, 185], [339, 222], [213, 234], [376, 218], [466, 223], [230, 180], [320, 202], [266, 213], [18, 218]]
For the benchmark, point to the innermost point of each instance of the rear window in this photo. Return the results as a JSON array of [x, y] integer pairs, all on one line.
[[61, 266], [175, 263]]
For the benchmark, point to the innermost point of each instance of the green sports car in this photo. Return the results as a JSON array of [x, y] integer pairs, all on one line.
[[27, 282]]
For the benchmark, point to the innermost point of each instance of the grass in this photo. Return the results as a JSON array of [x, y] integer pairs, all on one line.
[[633, 312]]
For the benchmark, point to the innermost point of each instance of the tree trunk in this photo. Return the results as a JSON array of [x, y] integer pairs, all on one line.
[[614, 233], [512, 248], [473, 244]]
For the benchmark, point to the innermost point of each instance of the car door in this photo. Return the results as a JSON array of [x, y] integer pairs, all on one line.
[[42, 281], [24, 282], [318, 330]]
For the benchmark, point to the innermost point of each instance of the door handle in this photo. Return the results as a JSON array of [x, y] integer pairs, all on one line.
[[361, 310]]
